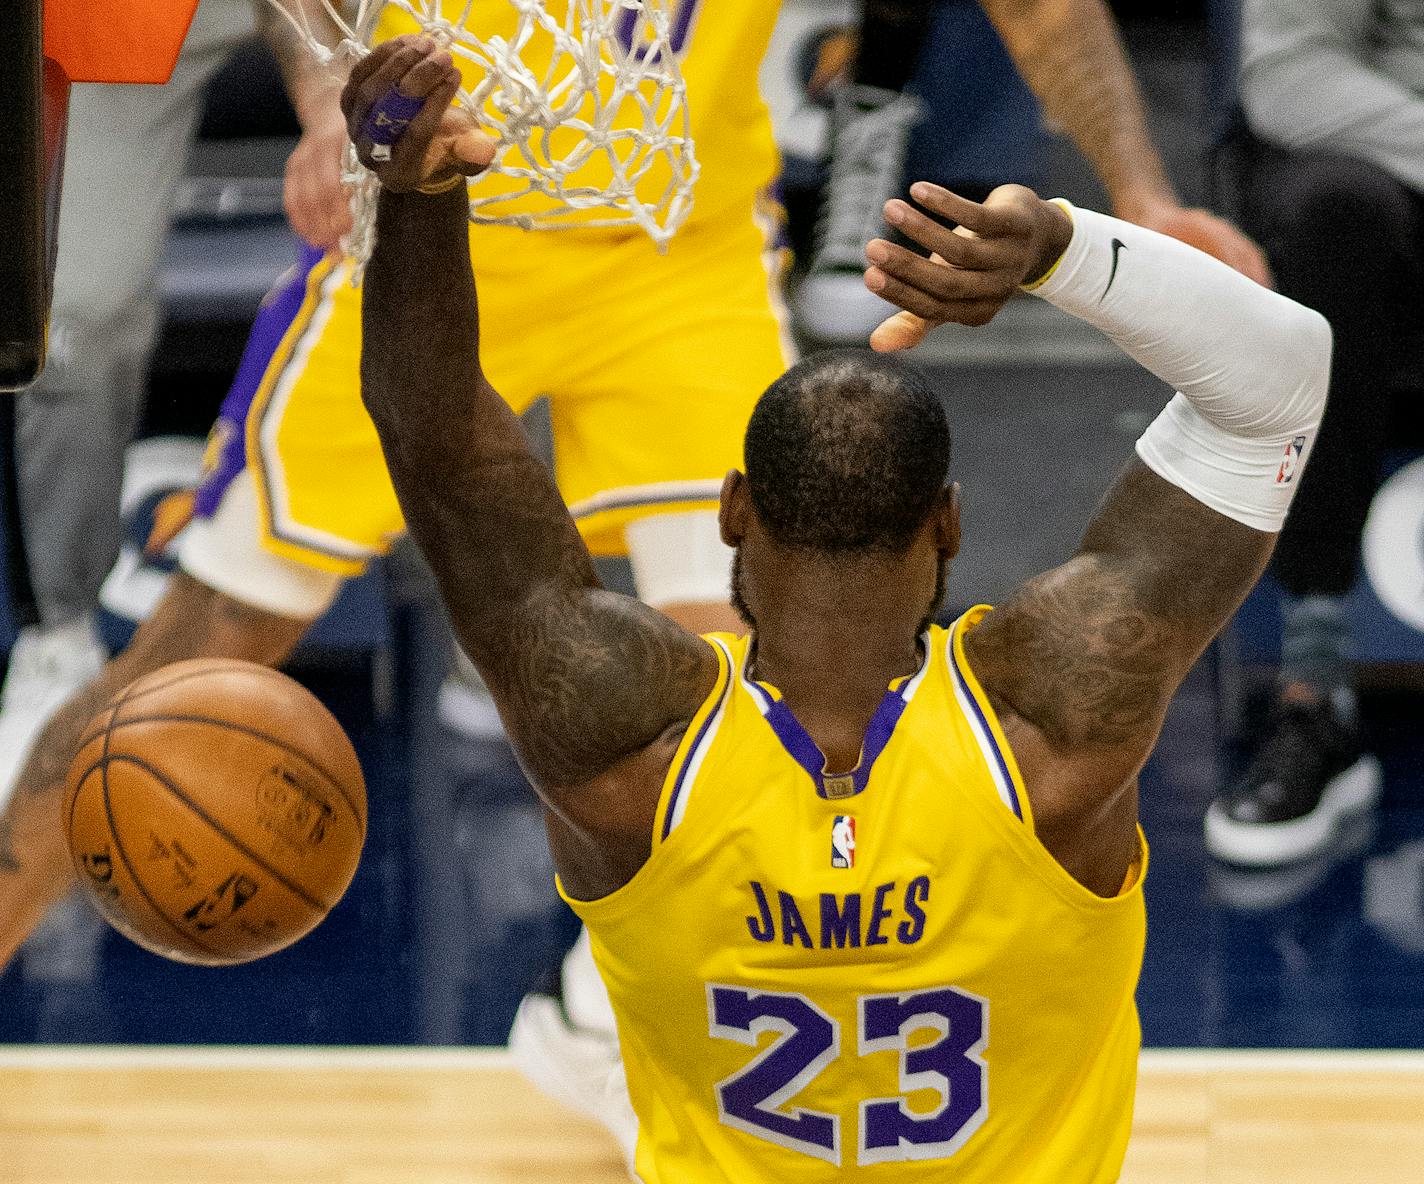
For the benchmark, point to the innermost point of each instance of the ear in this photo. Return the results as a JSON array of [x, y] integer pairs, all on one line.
[[732, 516], [946, 522]]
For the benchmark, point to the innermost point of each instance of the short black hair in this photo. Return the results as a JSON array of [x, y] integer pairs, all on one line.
[[847, 451]]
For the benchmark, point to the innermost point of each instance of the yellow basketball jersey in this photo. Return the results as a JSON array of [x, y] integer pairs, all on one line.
[[720, 45], [876, 976]]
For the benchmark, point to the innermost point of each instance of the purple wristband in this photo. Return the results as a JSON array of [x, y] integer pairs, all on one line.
[[390, 117]]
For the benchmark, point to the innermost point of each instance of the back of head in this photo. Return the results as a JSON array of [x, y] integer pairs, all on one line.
[[847, 451]]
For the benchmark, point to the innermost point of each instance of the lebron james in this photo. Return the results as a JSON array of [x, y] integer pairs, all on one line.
[[866, 893]]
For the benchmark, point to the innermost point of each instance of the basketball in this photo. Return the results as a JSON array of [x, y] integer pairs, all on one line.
[[215, 811]]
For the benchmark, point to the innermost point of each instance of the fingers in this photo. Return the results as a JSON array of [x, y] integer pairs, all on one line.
[[1246, 257], [420, 133], [962, 250], [983, 220], [395, 109], [384, 67], [428, 73], [932, 276], [473, 152], [1259, 269], [316, 201], [934, 290], [370, 64], [902, 331], [319, 212], [966, 310]]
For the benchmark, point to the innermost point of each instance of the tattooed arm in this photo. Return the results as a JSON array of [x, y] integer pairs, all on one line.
[[584, 679], [1070, 54], [1082, 663]]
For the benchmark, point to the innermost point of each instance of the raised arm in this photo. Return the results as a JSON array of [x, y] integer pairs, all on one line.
[[583, 678], [1091, 653]]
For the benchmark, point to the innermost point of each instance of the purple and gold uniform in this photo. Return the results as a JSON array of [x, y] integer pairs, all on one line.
[[878, 976], [652, 363]]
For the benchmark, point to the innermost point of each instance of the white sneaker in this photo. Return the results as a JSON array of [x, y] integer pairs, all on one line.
[[871, 130], [47, 666], [567, 1046]]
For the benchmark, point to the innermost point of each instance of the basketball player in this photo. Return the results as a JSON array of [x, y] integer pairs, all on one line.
[[296, 498], [953, 994]]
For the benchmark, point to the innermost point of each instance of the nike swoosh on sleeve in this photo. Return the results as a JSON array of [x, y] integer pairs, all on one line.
[[1117, 247]]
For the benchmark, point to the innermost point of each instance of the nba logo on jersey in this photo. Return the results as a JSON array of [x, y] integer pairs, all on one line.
[[843, 841], [1291, 461]]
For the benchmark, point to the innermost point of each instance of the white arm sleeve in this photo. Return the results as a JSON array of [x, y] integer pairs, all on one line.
[[1251, 367]]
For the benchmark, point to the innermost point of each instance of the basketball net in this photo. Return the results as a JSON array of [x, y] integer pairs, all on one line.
[[608, 111]]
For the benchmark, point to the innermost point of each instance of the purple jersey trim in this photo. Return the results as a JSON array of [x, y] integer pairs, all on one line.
[[696, 744], [988, 733], [274, 319], [807, 753]]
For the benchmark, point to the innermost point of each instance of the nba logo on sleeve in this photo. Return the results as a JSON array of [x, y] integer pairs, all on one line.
[[843, 841], [1291, 461]]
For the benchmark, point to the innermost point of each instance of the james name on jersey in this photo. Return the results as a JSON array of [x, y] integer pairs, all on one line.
[[830, 920]]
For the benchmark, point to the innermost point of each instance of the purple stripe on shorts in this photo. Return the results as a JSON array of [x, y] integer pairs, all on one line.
[[274, 318]]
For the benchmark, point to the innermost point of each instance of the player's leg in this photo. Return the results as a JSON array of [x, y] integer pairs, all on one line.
[[232, 598], [872, 120], [238, 597], [126, 152], [1345, 238], [191, 621], [652, 415]]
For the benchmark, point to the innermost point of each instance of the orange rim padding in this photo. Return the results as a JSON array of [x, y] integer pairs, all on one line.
[[116, 40]]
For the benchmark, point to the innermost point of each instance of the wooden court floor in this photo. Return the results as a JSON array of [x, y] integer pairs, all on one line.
[[251, 1116]]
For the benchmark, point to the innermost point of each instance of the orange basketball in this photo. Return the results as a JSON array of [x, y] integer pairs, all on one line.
[[215, 811]]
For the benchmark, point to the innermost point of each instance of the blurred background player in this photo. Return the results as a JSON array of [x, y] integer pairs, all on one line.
[[127, 149], [1333, 186], [278, 529], [1069, 54]]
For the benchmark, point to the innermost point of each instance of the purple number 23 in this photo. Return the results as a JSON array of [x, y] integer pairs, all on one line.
[[755, 1098]]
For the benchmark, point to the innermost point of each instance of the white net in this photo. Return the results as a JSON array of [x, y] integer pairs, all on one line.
[[585, 98]]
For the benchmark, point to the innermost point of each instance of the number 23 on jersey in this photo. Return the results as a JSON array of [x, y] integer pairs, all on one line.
[[939, 1035]]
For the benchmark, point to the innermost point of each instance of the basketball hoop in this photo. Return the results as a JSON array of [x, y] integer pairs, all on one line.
[[587, 110]]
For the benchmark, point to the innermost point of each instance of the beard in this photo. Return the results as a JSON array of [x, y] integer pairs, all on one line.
[[739, 599], [741, 608], [941, 584]]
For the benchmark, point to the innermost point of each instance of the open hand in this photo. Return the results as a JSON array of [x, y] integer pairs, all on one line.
[[1011, 237], [398, 114]]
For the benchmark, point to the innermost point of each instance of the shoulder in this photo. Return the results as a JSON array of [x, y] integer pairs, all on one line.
[[603, 676]]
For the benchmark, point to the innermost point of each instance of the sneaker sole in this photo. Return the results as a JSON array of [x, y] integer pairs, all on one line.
[[1271, 844]]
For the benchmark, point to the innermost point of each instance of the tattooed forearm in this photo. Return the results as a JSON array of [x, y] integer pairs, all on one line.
[[1071, 55]]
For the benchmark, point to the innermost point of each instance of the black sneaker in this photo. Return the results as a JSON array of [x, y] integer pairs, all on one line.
[[1309, 776]]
